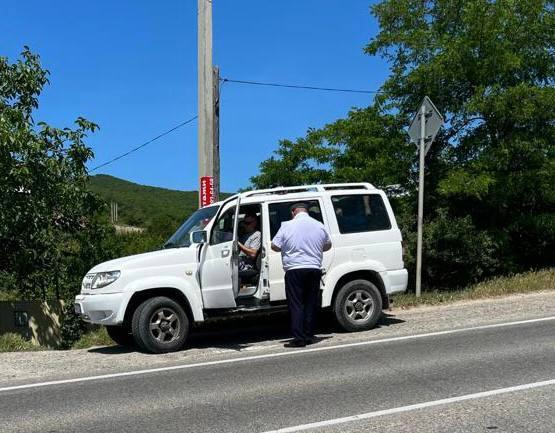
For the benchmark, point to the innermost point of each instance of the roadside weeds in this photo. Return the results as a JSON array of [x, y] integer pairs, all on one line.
[[527, 282]]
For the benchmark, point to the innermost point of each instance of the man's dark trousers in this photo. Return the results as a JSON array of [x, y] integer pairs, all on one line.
[[301, 288]]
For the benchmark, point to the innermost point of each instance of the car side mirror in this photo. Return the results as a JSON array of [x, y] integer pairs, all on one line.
[[199, 237]]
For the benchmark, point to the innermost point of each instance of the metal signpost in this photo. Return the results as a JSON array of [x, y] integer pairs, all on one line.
[[423, 130]]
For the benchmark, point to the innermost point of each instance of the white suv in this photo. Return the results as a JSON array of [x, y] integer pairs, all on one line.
[[152, 298]]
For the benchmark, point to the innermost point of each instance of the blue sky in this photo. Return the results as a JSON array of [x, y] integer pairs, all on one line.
[[131, 67]]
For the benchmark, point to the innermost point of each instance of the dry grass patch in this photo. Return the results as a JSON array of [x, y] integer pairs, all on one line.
[[520, 283]]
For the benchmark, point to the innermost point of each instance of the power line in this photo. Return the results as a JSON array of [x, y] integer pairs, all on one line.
[[145, 143], [295, 86], [229, 80]]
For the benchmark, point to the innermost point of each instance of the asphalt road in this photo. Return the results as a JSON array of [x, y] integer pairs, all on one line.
[[298, 387]]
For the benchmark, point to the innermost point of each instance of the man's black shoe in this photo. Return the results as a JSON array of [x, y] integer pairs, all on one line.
[[295, 343], [310, 340]]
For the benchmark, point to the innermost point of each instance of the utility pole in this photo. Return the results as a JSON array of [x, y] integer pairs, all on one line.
[[205, 103], [216, 148]]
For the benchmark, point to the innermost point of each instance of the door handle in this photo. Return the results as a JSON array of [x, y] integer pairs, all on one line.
[[225, 252]]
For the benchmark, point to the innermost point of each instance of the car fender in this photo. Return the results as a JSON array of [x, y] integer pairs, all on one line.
[[334, 275], [188, 288]]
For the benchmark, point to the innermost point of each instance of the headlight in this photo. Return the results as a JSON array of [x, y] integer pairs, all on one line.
[[102, 279]]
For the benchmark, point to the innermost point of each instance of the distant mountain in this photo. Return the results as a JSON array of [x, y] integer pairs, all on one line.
[[141, 205]]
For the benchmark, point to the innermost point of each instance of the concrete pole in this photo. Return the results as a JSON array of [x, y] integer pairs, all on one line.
[[216, 148], [205, 91], [420, 201]]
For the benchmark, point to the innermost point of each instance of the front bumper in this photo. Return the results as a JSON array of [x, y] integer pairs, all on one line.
[[102, 308]]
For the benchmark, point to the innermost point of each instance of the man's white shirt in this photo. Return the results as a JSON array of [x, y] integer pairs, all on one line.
[[301, 242]]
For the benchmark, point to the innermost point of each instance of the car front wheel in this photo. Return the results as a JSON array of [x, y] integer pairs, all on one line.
[[160, 325]]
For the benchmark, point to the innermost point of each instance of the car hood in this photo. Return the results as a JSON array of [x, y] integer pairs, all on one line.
[[165, 257]]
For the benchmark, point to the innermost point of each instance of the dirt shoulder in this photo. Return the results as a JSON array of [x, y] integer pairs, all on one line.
[[238, 338]]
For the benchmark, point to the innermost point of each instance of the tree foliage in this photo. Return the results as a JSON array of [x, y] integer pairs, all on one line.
[[47, 215], [489, 65]]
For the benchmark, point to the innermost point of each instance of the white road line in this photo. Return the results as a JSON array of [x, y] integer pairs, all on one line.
[[408, 408], [292, 352]]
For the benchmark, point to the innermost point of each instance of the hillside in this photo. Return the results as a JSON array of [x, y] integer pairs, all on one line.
[[141, 205]]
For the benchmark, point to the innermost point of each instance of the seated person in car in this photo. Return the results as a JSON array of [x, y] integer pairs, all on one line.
[[249, 244]]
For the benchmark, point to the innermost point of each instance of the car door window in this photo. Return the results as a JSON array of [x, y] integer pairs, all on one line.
[[223, 227], [280, 212]]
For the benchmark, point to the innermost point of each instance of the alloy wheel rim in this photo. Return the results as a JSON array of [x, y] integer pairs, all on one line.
[[164, 325], [359, 306]]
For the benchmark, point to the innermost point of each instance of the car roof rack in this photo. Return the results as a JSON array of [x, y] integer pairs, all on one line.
[[310, 188]]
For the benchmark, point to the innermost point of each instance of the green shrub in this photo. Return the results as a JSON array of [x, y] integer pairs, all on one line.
[[456, 253], [72, 327], [12, 342]]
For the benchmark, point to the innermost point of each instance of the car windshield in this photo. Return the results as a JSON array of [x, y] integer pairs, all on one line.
[[196, 222]]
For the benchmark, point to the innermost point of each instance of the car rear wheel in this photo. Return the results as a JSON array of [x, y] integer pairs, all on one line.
[[160, 325], [358, 305]]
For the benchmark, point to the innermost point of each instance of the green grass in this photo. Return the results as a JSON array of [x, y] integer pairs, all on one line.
[[12, 342], [502, 286], [95, 337]]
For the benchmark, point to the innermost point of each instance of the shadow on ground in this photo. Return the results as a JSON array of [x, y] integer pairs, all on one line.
[[240, 333], [113, 350]]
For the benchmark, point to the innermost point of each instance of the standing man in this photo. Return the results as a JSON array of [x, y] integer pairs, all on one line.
[[302, 242]]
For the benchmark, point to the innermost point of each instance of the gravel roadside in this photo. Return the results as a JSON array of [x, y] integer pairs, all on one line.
[[235, 338]]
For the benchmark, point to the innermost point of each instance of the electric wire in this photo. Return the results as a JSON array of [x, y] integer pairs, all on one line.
[[222, 82], [145, 143], [296, 86]]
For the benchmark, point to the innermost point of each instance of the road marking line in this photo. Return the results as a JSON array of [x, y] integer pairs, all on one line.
[[272, 355], [411, 407]]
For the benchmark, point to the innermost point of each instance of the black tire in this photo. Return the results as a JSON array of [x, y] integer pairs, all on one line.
[[358, 306], [121, 335], [160, 325]]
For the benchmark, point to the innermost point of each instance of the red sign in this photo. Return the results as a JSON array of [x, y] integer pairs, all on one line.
[[206, 190]]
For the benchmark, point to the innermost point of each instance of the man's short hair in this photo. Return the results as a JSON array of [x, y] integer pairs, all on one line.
[[299, 205]]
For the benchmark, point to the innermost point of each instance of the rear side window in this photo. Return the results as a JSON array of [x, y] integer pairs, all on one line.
[[360, 213], [280, 212]]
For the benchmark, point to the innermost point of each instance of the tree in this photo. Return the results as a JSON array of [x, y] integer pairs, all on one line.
[[489, 65], [46, 211]]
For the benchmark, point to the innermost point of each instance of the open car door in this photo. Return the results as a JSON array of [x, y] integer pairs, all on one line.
[[219, 262]]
